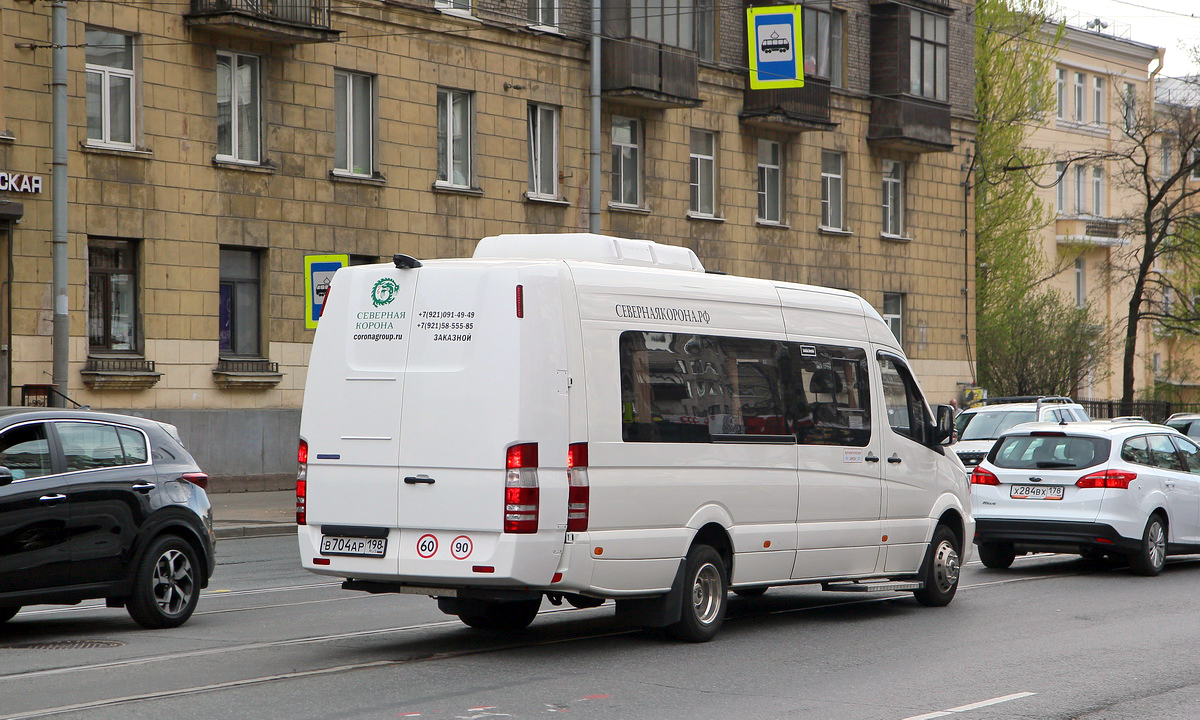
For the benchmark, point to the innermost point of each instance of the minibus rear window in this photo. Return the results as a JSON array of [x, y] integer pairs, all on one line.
[[681, 387]]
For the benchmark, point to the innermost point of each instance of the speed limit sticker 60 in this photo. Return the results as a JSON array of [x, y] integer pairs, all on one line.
[[461, 547], [427, 546]]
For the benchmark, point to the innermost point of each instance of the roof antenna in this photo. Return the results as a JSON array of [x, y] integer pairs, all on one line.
[[405, 262]]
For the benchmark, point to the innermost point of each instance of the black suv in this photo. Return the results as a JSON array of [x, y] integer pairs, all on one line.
[[98, 505]]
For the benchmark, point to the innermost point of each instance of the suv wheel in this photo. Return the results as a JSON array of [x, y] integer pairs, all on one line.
[[166, 586]]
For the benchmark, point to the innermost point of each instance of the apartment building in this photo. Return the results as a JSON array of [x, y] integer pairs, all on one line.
[[214, 144]]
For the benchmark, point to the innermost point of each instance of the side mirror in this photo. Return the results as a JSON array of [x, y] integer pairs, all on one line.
[[6, 476], [943, 428]]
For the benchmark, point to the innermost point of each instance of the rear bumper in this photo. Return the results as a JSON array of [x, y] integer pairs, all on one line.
[[1053, 535]]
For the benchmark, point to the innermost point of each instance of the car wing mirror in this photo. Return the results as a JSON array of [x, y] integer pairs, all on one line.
[[943, 427], [6, 476]]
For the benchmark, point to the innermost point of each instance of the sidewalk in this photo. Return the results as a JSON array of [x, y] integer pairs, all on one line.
[[254, 514]]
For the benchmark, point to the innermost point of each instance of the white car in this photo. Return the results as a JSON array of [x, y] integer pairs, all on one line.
[[978, 427], [1127, 488]]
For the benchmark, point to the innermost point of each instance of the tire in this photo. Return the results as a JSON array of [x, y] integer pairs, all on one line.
[[501, 616], [7, 613], [940, 570], [750, 592], [705, 595], [996, 556], [1150, 558], [166, 584]]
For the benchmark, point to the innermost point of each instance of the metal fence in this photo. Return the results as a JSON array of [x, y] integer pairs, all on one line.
[[1152, 410], [307, 12]]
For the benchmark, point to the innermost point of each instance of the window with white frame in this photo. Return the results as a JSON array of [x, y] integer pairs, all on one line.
[[239, 124], [1166, 155], [893, 198], [542, 13], [703, 173], [626, 161], [353, 123], [1079, 111], [1098, 191], [770, 181], [543, 151], [833, 189], [463, 6], [1060, 93], [1098, 100], [1080, 283], [1060, 187], [928, 55], [454, 138], [893, 314], [1080, 189], [111, 88]]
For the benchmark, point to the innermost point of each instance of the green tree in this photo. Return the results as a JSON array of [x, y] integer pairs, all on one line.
[[1031, 339]]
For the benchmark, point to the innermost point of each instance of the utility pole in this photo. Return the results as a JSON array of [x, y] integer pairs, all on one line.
[[58, 199]]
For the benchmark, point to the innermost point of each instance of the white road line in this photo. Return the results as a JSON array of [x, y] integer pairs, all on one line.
[[972, 706]]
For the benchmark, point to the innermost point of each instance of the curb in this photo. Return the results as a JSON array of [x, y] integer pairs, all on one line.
[[246, 531]]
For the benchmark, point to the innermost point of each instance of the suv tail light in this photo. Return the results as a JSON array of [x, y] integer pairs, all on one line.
[[979, 476], [521, 489], [577, 491], [302, 483], [1118, 479], [198, 479]]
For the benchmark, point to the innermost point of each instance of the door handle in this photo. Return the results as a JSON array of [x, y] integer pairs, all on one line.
[[895, 459], [1169, 483], [871, 457], [144, 486], [56, 497], [419, 480]]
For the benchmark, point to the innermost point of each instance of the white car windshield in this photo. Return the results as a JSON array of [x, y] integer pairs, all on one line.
[[991, 425]]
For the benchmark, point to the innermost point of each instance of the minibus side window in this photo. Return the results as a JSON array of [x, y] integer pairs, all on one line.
[[682, 387], [827, 391], [906, 409]]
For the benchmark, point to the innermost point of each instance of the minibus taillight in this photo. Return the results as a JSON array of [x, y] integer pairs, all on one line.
[[302, 483], [1118, 479], [521, 489], [979, 476], [577, 491]]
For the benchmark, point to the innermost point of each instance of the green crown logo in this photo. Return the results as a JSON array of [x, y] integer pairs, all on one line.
[[384, 292]]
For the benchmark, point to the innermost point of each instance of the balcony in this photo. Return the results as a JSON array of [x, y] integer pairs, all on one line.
[[649, 74], [280, 21], [119, 373], [1091, 231], [910, 124], [799, 109]]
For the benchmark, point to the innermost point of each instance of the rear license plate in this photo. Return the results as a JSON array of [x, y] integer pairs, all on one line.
[[1037, 492], [336, 545]]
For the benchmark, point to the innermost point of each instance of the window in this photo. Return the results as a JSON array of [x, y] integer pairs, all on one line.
[[238, 112], [1080, 283], [25, 451], [906, 410], [833, 189], [1194, 158], [1162, 453], [770, 181], [893, 315], [626, 162], [238, 323], [706, 29], [680, 387], [1097, 192], [110, 87], [1129, 109], [354, 122], [543, 151], [112, 295], [1080, 190], [1190, 453], [1079, 108], [1060, 187], [1166, 154], [542, 13], [1060, 93], [459, 5], [1098, 100], [929, 52], [454, 136], [893, 198], [1065, 452], [670, 22], [87, 446], [823, 44], [703, 173]]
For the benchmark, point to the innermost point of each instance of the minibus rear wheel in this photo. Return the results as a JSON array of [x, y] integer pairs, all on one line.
[[705, 594], [501, 616]]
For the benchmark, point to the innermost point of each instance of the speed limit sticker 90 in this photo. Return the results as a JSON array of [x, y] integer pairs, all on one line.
[[461, 547], [427, 546]]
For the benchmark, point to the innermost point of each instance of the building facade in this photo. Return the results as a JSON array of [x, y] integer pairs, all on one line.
[[214, 144]]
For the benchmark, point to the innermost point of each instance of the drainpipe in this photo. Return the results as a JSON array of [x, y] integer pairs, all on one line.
[[594, 154], [58, 197]]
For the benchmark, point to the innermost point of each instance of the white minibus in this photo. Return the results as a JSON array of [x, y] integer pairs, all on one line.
[[583, 418]]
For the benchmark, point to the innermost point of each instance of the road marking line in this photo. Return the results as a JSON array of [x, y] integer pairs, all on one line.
[[972, 706]]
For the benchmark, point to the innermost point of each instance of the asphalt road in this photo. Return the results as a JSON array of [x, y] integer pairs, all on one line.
[[1053, 637]]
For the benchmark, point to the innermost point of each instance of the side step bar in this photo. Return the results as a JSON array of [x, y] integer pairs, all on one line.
[[872, 586]]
